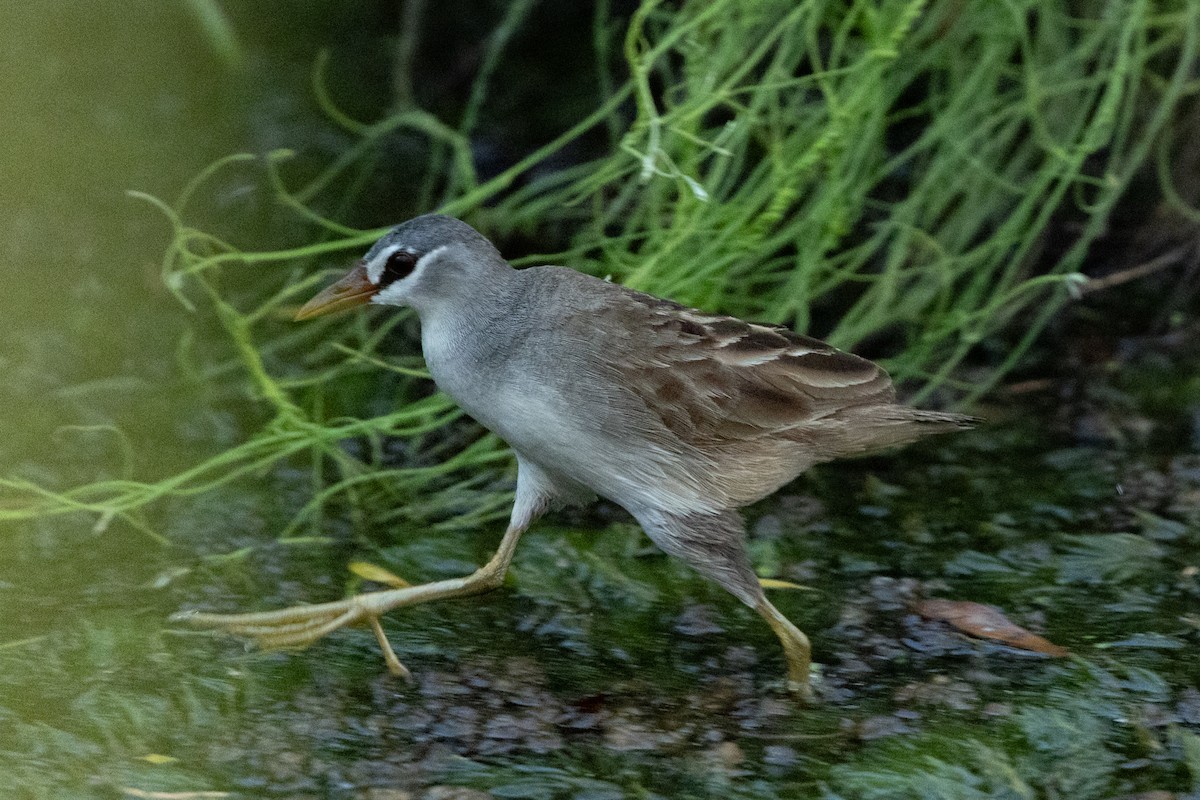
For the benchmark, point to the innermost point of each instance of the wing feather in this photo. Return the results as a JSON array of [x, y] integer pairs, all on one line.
[[729, 410], [715, 378]]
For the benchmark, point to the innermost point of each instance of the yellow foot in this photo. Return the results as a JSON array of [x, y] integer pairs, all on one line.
[[801, 688], [795, 648], [300, 626]]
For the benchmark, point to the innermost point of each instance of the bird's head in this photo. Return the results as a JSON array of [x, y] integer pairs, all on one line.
[[413, 264]]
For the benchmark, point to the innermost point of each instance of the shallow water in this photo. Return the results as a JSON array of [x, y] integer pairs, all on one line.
[[602, 669]]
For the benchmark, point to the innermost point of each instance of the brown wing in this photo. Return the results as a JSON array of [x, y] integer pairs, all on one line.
[[756, 405], [715, 378], [743, 408]]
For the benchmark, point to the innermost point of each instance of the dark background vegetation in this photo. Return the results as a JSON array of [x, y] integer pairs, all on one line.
[[158, 454]]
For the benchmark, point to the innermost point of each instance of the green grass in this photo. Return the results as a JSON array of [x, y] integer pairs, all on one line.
[[895, 166]]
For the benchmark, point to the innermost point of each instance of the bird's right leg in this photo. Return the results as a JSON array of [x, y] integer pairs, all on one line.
[[300, 626]]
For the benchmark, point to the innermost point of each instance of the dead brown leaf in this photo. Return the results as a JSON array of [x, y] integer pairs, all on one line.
[[987, 622]]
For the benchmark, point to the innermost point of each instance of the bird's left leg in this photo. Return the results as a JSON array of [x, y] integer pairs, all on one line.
[[300, 626], [715, 545], [796, 647]]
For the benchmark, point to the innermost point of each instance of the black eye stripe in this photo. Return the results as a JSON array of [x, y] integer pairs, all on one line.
[[399, 265]]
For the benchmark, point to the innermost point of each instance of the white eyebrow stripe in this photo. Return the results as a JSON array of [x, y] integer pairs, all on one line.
[[375, 266], [414, 277], [396, 290], [426, 259]]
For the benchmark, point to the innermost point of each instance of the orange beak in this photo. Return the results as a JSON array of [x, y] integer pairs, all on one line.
[[354, 289]]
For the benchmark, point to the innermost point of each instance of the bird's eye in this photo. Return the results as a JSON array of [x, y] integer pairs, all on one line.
[[399, 265]]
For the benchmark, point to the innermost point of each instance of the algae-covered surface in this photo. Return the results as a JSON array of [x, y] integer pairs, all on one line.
[[602, 669]]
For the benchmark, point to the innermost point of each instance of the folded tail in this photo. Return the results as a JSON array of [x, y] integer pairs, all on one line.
[[880, 428]]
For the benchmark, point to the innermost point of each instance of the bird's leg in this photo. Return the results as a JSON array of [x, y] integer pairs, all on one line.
[[714, 544], [300, 626], [795, 647]]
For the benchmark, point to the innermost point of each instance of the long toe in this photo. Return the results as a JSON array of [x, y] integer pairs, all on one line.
[[298, 626]]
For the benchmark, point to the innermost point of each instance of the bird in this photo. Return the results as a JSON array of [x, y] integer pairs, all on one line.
[[677, 415]]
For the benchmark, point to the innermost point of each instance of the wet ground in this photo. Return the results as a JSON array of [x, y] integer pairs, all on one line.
[[605, 670]]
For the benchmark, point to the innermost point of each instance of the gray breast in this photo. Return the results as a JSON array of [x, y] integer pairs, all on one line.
[[577, 423]]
